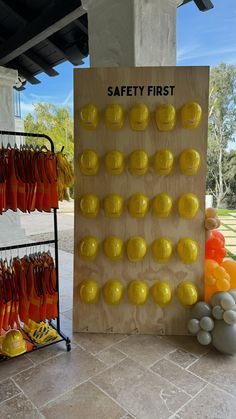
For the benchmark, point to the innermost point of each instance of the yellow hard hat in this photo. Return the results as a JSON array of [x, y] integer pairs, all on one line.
[[187, 293], [138, 162], [137, 292], [139, 117], [187, 250], [89, 116], [191, 114], [13, 343], [113, 291], [88, 248], [113, 248], [138, 205], [89, 162], [114, 116], [89, 205], [163, 162], [161, 293], [89, 291], [189, 161], [188, 205], [113, 205], [114, 162], [165, 117], [162, 205], [162, 250], [136, 249]]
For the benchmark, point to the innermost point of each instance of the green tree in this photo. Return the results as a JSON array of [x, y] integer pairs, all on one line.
[[222, 128], [54, 121]]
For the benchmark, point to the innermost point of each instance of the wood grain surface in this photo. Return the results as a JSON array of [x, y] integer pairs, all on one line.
[[90, 86]]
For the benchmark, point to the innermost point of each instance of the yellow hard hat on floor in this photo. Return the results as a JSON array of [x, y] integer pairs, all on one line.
[[13, 343]]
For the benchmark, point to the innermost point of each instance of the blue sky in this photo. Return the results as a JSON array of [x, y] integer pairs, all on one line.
[[202, 39]]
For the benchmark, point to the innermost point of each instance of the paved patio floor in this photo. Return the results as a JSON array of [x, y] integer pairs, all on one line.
[[117, 376]]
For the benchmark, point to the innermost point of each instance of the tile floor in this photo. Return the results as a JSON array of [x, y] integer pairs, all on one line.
[[117, 376]]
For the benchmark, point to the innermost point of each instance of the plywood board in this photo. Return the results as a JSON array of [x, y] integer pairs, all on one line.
[[91, 86]]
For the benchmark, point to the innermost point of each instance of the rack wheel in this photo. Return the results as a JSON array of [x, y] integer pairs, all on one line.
[[68, 345]]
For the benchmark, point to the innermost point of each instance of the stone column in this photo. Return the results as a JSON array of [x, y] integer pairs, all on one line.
[[10, 229], [132, 32]]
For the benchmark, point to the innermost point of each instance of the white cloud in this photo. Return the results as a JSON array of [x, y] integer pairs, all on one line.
[[190, 54], [26, 107], [69, 99]]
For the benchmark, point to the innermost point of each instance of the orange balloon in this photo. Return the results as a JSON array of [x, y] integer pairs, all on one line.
[[210, 265], [230, 266]]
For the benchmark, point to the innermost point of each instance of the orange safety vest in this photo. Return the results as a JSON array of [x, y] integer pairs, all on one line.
[[23, 295], [11, 184]]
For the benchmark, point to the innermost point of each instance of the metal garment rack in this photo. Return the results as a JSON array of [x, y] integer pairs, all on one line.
[[40, 243]]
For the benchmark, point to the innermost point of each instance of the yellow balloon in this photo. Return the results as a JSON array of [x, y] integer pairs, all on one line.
[[89, 205], [136, 249], [137, 292], [187, 293], [88, 248], [162, 205], [114, 117], [188, 250], [163, 162], [89, 117], [138, 162], [161, 293], [114, 162], [89, 162], [113, 291], [165, 117], [138, 205], [189, 162], [113, 205], [162, 250], [113, 248], [191, 115], [188, 206], [139, 117], [89, 291]]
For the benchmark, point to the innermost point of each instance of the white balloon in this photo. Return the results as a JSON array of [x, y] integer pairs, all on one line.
[[227, 302], [204, 338], [207, 324], [217, 312], [229, 317], [193, 326]]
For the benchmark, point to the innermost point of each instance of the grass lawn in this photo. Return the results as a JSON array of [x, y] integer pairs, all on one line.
[[225, 212]]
